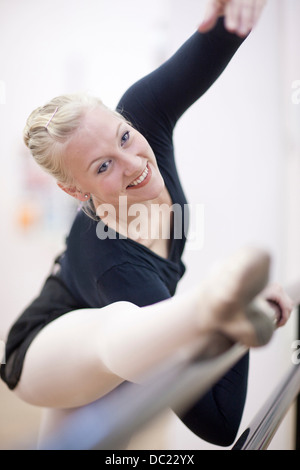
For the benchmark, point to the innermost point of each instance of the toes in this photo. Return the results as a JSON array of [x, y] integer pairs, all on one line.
[[243, 276]]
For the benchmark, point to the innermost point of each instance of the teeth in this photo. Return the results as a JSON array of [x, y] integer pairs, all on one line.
[[141, 178]]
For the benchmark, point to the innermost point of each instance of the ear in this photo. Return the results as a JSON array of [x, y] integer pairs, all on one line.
[[74, 192]]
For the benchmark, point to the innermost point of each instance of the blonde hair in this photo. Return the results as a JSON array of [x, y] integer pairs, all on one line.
[[49, 128]]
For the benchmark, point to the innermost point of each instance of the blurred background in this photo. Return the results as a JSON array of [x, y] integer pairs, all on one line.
[[238, 152]]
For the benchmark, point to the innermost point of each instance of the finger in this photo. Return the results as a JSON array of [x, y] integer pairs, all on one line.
[[281, 302], [213, 11], [286, 309], [249, 15], [246, 20], [278, 311], [232, 10]]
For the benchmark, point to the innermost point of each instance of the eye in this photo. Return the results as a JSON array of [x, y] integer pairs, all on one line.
[[125, 138], [104, 167]]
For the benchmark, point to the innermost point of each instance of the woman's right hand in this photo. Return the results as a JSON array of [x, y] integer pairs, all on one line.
[[240, 15]]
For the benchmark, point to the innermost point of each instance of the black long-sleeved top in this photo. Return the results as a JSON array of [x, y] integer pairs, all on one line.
[[98, 271]]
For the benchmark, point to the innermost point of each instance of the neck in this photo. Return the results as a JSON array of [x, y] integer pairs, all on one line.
[[143, 221]]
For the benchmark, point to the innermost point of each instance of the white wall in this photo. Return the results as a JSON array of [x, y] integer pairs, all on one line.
[[231, 146]]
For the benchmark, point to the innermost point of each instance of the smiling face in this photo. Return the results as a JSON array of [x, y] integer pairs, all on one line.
[[108, 159]]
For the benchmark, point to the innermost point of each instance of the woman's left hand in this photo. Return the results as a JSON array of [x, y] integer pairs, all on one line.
[[281, 302], [240, 15]]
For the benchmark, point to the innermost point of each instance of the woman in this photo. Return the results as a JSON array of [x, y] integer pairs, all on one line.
[[106, 314]]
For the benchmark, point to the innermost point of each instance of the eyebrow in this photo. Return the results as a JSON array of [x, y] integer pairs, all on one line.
[[100, 158]]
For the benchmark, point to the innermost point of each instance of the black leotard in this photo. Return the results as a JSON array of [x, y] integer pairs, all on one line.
[[95, 272]]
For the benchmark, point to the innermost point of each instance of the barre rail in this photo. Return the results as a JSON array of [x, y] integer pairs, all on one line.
[[262, 428]]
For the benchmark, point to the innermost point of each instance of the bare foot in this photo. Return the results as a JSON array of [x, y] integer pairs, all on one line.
[[229, 303]]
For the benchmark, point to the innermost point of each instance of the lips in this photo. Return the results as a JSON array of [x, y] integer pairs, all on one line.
[[141, 180]]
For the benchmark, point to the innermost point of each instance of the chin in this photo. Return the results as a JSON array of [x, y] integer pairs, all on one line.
[[156, 191]]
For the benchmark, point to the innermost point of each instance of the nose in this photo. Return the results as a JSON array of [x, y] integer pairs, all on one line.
[[133, 164]]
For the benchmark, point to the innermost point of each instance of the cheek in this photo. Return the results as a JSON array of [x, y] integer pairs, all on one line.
[[109, 187], [149, 154], [144, 147]]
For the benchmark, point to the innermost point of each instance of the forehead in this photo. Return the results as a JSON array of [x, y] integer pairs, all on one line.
[[98, 121], [96, 132]]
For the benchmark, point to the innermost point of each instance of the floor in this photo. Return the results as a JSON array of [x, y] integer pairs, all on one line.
[[19, 426], [19, 422]]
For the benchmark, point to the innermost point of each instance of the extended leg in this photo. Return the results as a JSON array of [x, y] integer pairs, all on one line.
[[83, 355]]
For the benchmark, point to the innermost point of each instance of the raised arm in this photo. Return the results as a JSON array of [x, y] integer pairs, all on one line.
[[166, 93]]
